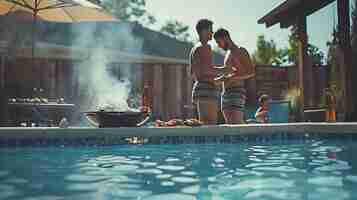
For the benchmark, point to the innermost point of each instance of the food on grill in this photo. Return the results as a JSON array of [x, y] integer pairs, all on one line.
[[193, 122], [178, 122]]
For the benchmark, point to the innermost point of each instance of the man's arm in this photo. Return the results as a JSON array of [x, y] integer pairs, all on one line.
[[195, 61], [240, 77], [222, 69], [235, 66]]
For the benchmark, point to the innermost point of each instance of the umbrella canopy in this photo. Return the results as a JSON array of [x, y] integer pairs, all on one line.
[[54, 10], [57, 10]]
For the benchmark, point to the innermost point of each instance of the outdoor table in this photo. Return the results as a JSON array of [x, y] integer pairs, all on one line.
[[39, 113], [315, 114]]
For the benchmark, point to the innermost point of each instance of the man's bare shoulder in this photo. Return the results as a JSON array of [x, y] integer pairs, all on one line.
[[201, 47], [236, 51], [240, 52]]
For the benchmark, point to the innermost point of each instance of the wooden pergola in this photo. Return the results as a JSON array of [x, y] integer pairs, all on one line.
[[294, 13]]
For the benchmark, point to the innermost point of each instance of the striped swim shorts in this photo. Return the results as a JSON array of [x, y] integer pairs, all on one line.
[[233, 98], [205, 90]]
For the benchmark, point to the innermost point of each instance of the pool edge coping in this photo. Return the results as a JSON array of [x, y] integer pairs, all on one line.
[[230, 130]]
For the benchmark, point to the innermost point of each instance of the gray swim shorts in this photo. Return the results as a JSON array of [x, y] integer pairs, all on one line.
[[205, 90], [233, 98]]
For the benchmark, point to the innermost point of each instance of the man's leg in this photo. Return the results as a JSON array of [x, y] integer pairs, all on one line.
[[233, 116], [207, 111], [232, 104]]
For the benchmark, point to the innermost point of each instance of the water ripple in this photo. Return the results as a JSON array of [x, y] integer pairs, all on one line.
[[171, 167], [148, 164], [163, 176], [329, 194], [172, 160], [266, 183], [334, 167], [191, 189], [326, 181], [171, 196], [278, 169], [188, 173], [184, 180], [126, 167], [307, 170], [17, 181], [149, 171], [4, 173], [273, 194], [352, 178], [167, 183]]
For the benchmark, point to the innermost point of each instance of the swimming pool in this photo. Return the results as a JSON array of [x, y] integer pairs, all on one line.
[[309, 168]]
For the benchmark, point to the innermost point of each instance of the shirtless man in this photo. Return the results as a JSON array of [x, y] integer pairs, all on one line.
[[205, 92], [236, 69]]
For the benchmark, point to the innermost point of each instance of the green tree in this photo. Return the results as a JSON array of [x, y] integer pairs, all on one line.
[[127, 10], [95, 1], [291, 53], [134, 10], [267, 53], [177, 30], [354, 30]]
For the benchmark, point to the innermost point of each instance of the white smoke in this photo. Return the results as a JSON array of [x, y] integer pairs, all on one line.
[[100, 88]]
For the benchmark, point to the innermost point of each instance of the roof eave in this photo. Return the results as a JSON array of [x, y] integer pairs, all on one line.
[[287, 12], [281, 7]]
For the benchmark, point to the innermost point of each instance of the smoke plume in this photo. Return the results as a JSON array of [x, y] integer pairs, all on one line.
[[99, 86]]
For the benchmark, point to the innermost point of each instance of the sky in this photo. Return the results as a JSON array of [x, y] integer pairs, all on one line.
[[240, 18]]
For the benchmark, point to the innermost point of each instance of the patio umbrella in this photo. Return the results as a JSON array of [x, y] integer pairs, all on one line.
[[56, 11], [65, 11]]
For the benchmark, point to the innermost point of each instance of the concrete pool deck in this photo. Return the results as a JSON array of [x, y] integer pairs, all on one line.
[[226, 130]]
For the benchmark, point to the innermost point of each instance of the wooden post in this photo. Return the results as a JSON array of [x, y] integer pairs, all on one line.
[[157, 90], [60, 80], [189, 84], [2, 72], [166, 94], [170, 100], [186, 88], [148, 77], [302, 35], [52, 80], [343, 9], [178, 88], [171, 92], [3, 97]]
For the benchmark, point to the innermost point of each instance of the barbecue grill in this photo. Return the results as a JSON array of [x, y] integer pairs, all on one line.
[[105, 119]]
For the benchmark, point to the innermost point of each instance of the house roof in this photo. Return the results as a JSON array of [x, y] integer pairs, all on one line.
[[126, 37], [137, 39], [287, 12], [159, 44]]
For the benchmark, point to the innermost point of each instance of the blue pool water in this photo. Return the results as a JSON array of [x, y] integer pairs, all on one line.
[[314, 169]]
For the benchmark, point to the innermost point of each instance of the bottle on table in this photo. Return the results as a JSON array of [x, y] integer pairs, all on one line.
[[145, 99]]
